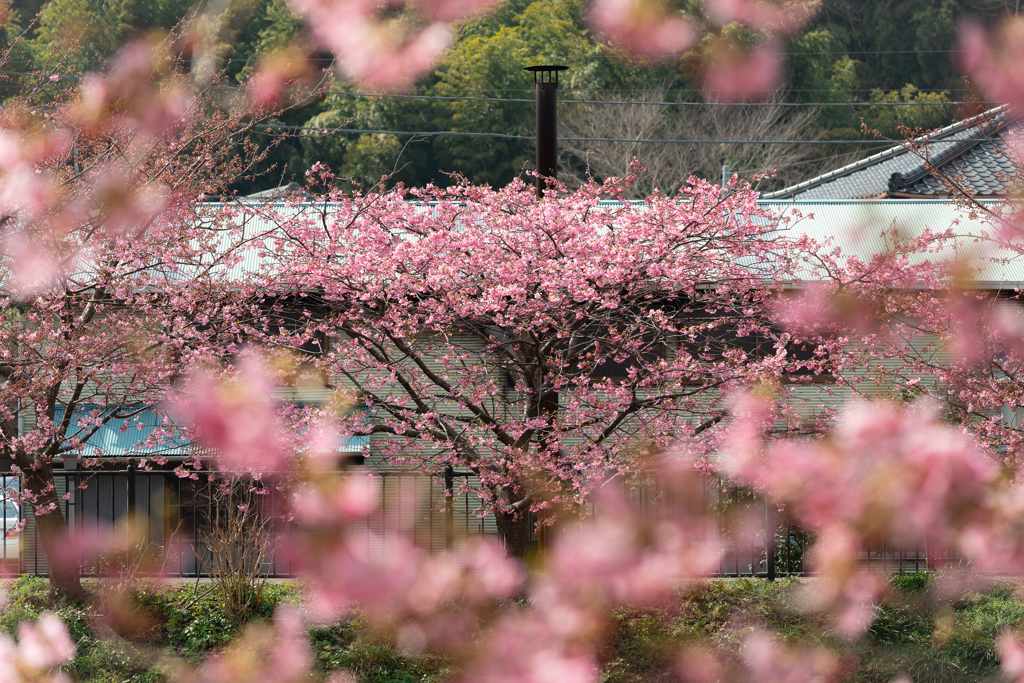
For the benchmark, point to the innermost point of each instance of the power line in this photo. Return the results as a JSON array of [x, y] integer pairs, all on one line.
[[797, 54], [462, 98], [570, 57], [567, 89], [698, 90], [458, 133], [650, 103]]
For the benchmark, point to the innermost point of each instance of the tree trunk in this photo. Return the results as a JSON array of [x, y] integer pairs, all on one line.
[[52, 531], [514, 533]]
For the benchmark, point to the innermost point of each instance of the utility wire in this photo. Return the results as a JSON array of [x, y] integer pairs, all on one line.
[[569, 57], [458, 133], [630, 90], [852, 53], [661, 104], [462, 98], [699, 90]]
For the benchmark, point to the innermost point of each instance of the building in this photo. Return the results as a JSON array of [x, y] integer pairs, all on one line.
[[973, 153], [860, 227]]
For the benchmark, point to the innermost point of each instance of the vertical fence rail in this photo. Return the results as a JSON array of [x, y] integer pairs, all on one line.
[[433, 511]]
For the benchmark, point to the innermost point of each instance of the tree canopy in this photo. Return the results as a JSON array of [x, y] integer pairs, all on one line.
[[863, 53]]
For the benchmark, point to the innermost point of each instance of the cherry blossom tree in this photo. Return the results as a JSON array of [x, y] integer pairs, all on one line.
[[108, 290], [539, 345]]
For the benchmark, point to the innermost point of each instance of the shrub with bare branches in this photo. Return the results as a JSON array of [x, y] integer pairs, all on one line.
[[235, 546], [672, 163]]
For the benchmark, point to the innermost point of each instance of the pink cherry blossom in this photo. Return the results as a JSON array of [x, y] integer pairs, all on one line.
[[990, 59], [888, 474], [278, 653], [236, 418], [378, 52], [784, 17], [733, 76], [643, 27], [1011, 657], [536, 648], [34, 266], [514, 283], [42, 646], [767, 660], [627, 558]]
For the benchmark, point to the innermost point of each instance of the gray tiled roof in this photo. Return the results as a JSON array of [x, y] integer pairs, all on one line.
[[972, 151], [292, 191]]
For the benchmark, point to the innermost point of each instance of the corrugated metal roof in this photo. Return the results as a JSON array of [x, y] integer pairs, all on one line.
[[121, 437], [864, 228], [972, 149], [859, 227]]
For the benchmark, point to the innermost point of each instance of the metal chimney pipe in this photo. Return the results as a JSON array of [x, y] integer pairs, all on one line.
[[545, 79]]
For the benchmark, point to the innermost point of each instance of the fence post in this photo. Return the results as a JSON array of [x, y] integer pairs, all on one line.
[[769, 537], [131, 490], [449, 509]]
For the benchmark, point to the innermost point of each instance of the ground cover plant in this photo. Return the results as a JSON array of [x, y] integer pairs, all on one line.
[[952, 642]]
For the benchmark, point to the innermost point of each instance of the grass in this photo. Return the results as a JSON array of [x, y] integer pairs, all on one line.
[[372, 659], [913, 634]]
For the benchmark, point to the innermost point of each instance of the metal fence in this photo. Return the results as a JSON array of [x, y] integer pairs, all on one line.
[[175, 512]]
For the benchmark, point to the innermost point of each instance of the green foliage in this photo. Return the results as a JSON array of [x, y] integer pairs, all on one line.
[[27, 598], [911, 584], [926, 112], [371, 659], [99, 659], [102, 659], [901, 625], [272, 27], [197, 622], [853, 51], [94, 29], [641, 646], [105, 661], [911, 635]]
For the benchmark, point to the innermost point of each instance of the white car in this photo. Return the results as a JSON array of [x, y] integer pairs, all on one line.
[[10, 527]]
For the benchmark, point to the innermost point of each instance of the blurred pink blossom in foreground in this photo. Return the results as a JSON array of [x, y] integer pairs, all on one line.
[[766, 659], [889, 473], [42, 646], [1011, 656], [643, 27], [738, 76], [33, 264], [623, 556], [991, 59], [236, 417], [537, 647], [779, 17], [353, 554], [762, 658], [275, 653], [378, 52]]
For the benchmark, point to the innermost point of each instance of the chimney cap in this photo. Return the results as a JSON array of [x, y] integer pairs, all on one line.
[[550, 69]]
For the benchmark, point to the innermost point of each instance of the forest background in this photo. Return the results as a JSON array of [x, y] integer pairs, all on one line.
[[861, 53]]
